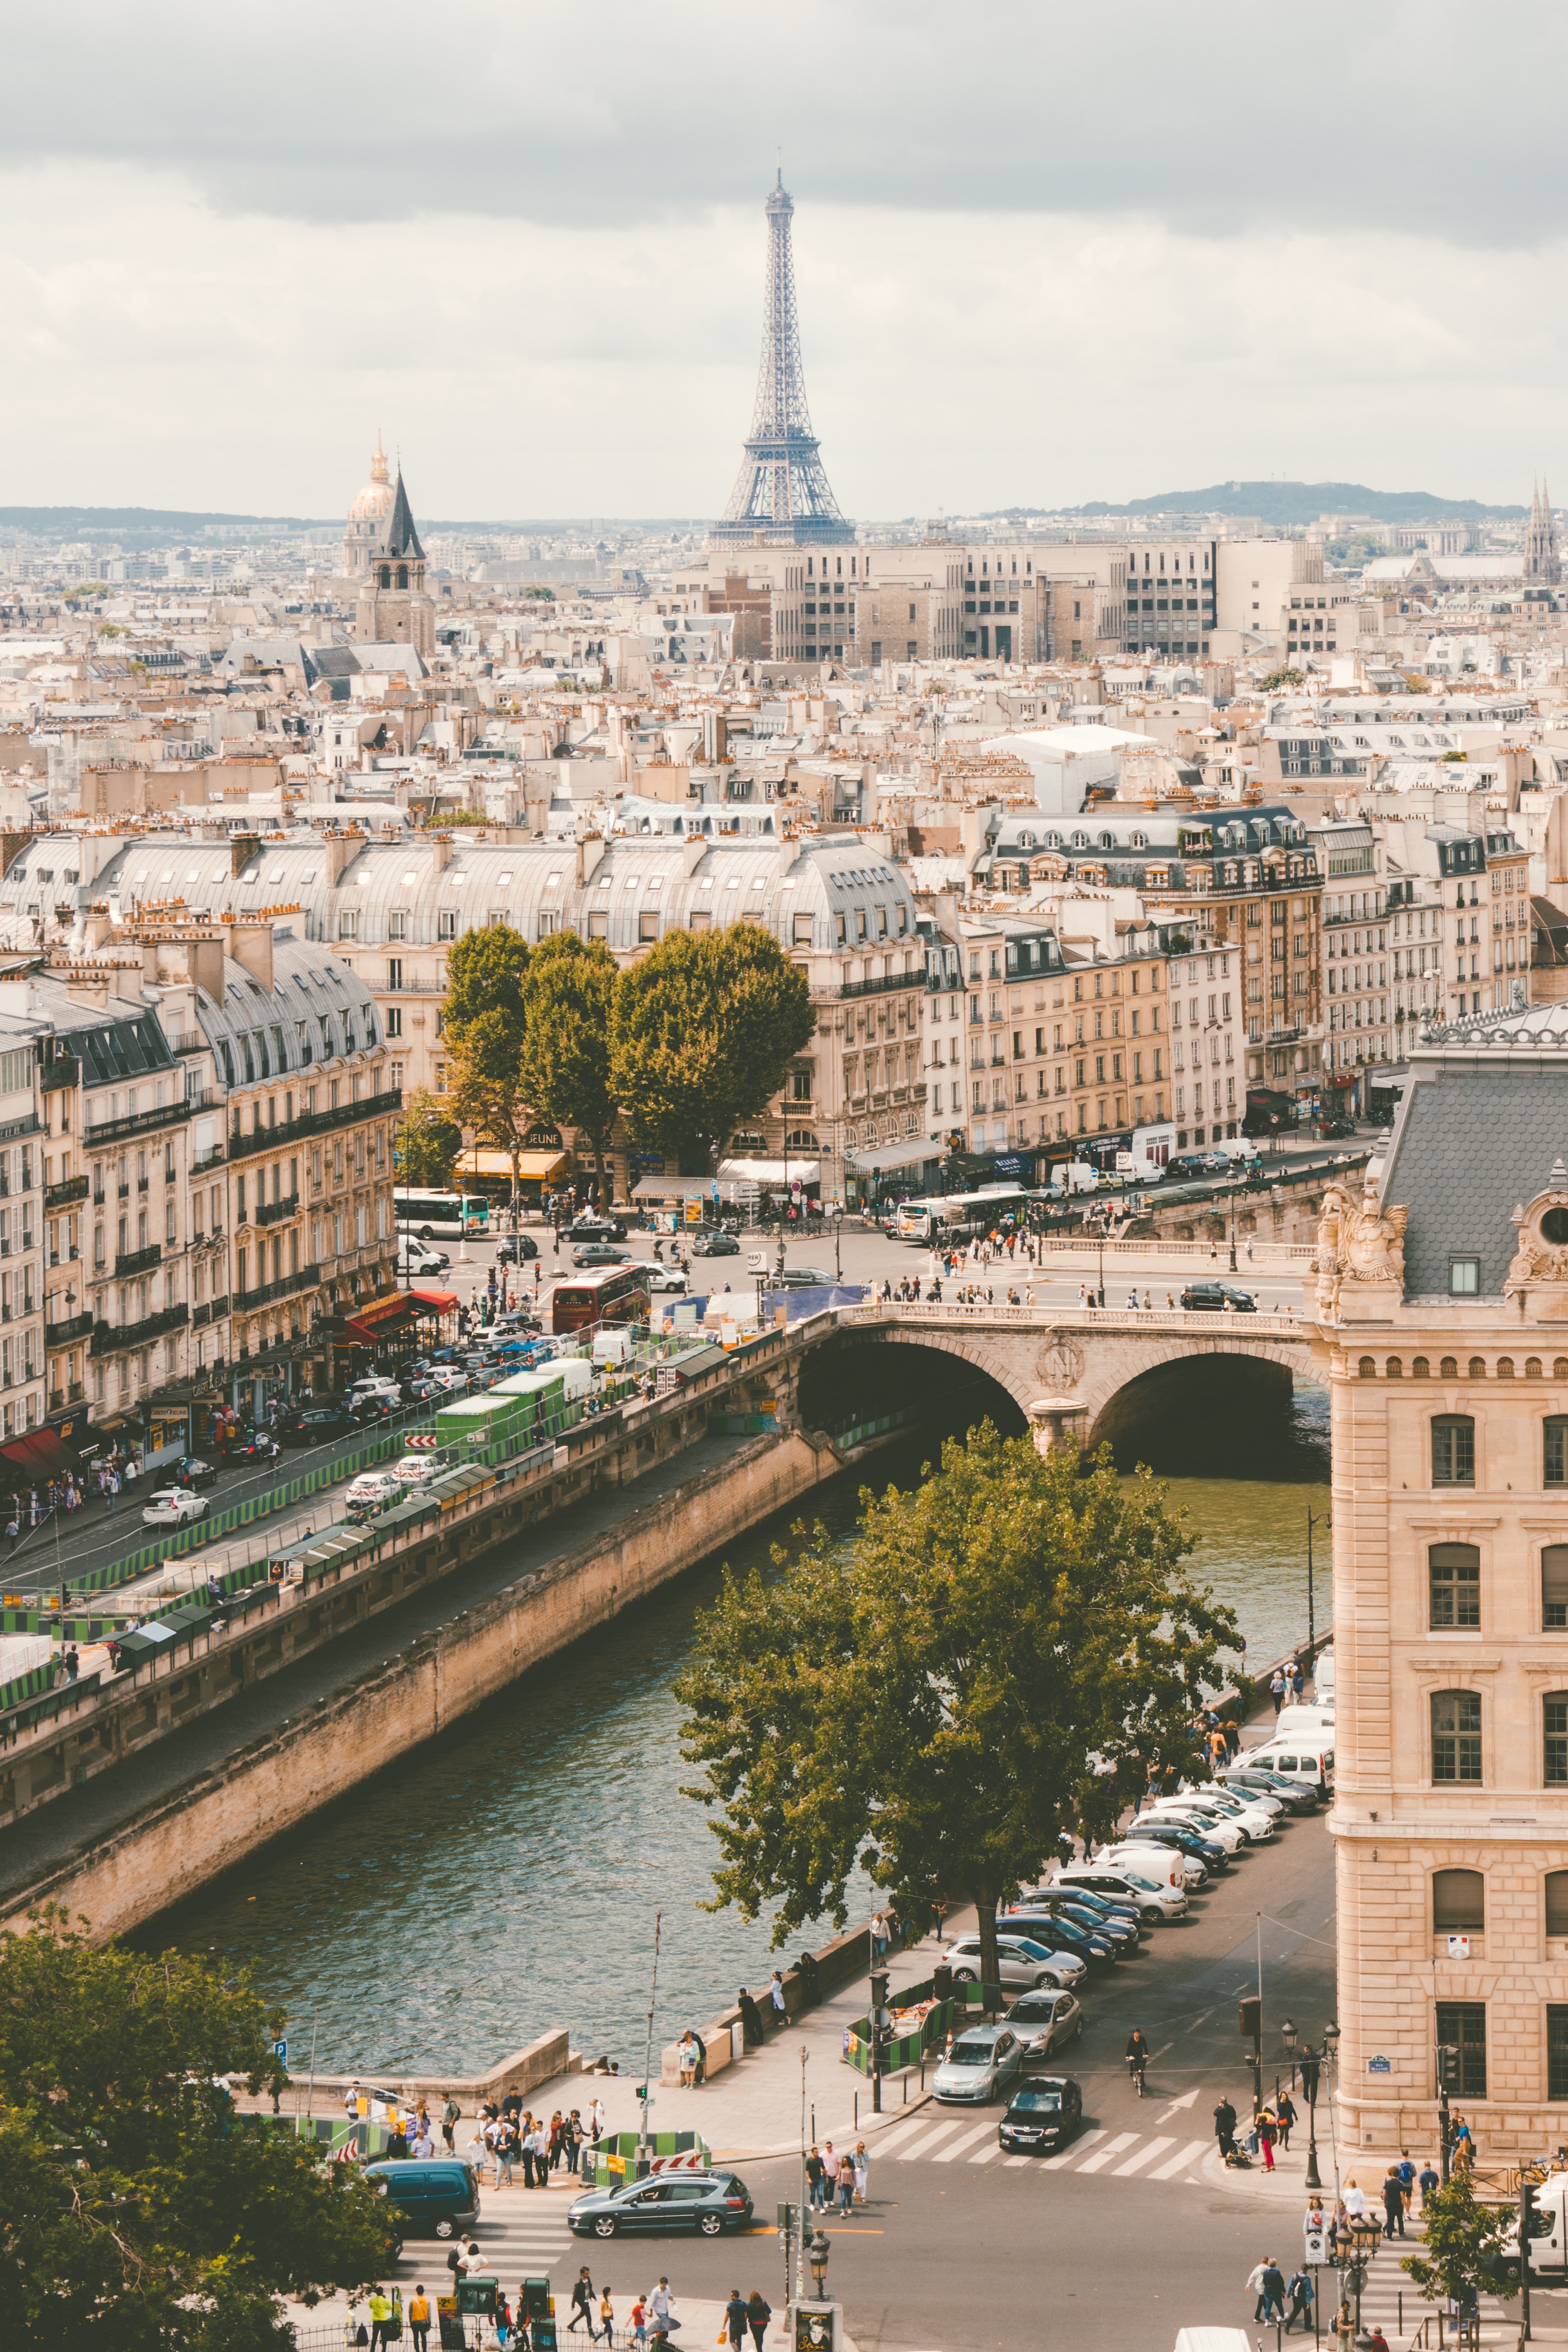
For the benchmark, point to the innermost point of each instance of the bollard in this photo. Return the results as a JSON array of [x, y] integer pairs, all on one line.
[[857, 2122], [905, 2101]]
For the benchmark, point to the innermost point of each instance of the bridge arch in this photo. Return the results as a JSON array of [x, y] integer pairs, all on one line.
[[861, 1373]]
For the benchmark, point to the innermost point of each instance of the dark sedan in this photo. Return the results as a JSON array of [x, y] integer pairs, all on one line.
[[1043, 2116], [1150, 1829], [716, 1245], [600, 1254], [1121, 1935], [709, 2202], [1214, 1298], [191, 1473], [596, 1229], [516, 1250], [1060, 1934], [1294, 1795], [315, 1424]]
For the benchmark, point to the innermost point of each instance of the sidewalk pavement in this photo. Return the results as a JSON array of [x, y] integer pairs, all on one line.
[[758, 2106], [701, 2323]]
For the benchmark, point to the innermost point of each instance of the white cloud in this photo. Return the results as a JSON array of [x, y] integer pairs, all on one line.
[[163, 351]]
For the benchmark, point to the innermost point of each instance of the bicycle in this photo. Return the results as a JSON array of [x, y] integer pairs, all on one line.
[[1136, 2069]]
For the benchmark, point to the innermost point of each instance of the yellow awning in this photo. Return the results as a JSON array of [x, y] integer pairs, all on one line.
[[482, 1160]]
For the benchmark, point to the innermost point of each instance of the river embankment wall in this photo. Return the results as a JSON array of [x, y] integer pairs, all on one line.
[[121, 1873]]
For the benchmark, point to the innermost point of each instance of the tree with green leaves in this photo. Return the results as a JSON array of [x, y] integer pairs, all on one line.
[[485, 1023], [427, 1143], [141, 2212], [705, 1027], [569, 998], [1469, 2246], [1280, 678], [1004, 1651]]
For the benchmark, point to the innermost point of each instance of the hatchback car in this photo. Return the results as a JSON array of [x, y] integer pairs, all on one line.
[[516, 1250], [803, 1277], [193, 1473], [1216, 1296], [716, 1245], [665, 1277], [1154, 1898], [172, 1506], [449, 1378], [596, 1229], [431, 2200], [372, 1487], [1023, 1962], [600, 1254], [708, 2202], [983, 2063], [1045, 2021], [313, 1424], [1041, 2117]]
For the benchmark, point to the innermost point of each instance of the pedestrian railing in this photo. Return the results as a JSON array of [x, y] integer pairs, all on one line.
[[1201, 1324]]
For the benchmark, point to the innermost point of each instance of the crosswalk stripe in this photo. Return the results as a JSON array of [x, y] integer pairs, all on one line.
[[885, 2144], [1193, 2152], [924, 2147], [966, 2140], [1143, 2156], [987, 2155], [1071, 2155], [1103, 2154]]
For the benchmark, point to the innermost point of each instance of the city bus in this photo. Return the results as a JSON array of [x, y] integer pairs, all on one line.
[[429, 1214], [608, 1294], [959, 1216]]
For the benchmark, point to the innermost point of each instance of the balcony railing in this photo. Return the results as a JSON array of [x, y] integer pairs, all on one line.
[[61, 1196], [63, 1335], [245, 1301], [212, 1159], [114, 1339], [60, 1398], [275, 1213], [139, 1260], [144, 1122], [65, 1070], [319, 1122]]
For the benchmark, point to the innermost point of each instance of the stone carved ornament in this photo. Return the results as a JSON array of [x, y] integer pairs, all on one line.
[[1358, 1242], [1060, 1364], [1542, 1251]]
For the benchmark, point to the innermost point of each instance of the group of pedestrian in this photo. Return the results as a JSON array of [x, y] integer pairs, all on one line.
[[831, 2173], [1287, 1682], [751, 2014], [509, 2135], [108, 1477], [652, 2320]]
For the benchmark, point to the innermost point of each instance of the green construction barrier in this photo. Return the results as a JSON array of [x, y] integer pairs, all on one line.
[[614, 2161], [908, 2049]]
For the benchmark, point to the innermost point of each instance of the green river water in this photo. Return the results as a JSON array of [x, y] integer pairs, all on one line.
[[501, 1881]]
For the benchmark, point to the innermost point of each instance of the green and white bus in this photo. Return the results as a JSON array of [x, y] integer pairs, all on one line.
[[430, 1214]]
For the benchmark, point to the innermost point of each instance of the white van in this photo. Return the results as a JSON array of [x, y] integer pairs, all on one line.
[[1213, 2339], [1310, 1759], [1166, 1864], [1302, 1722], [1322, 1676], [1156, 1898], [414, 1256]]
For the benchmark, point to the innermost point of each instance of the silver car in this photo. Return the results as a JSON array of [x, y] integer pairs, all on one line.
[[1045, 2021], [1021, 1962], [982, 2065]]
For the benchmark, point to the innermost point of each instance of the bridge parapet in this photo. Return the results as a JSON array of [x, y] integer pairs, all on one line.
[[1099, 1319]]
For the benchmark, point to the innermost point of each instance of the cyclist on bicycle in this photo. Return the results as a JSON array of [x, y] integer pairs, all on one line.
[[1138, 2054]]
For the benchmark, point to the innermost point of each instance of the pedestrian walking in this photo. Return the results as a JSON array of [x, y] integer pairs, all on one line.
[[506, 2146], [575, 2135], [596, 2120], [661, 2310], [1273, 2290], [582, 2304], [419, 2320], [1393, 2202], [606, 2317], [734, 2319], [814, 2198], [1354, 2201], [862, 2171], [1300, 2289], [1225, 2128], [1277, 1689], [639, 2309], [451, 2113], [1255, 2287], [846, 2182], [1426, 2181], [759, 2312], [381, 2318], [1284, 2116], [878, 1939], [1268, 2132], [1406, 2178]]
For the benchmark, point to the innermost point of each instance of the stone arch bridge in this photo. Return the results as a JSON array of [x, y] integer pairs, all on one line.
[[1087, 1376]]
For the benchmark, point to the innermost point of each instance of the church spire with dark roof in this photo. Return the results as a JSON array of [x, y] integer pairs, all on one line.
[[402, 538]]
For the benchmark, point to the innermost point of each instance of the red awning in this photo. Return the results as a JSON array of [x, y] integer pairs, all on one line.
[[434, 1302], [38, 1449], [393, 1307]]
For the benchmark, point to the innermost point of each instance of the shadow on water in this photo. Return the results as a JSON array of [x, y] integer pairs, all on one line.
[[501, 1880]]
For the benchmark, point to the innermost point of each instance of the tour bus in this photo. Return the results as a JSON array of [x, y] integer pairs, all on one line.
[[429, 1214], [608, 1294], [959, 1216]]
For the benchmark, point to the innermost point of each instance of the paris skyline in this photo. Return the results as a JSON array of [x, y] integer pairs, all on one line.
[[541, 271]]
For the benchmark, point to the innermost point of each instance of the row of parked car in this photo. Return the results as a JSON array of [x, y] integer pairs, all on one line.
[[1089, 1918]]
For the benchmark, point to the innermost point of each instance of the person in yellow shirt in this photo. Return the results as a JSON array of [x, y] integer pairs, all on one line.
[[419, 2320], [381, 2316]]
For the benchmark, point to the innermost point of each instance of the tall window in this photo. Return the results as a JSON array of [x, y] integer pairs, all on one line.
[[1462, 2026], [1556, 2052], [1456, 1736], [1454, 1450], [1555, 1587], [1554, 1466], [1555, 1726], [1458, 1902], [1557, 1902], [1455, 1575]]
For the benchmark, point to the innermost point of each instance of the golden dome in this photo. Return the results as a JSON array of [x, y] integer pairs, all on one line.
[[374, 503]]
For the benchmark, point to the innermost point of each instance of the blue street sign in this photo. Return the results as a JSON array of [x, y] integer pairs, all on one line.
[[280, 2051]]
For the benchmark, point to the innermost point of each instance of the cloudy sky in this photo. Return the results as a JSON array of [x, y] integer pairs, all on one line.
[[1044, 253]]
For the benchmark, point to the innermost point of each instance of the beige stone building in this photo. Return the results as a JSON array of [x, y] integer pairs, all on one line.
[[1442, 1329]]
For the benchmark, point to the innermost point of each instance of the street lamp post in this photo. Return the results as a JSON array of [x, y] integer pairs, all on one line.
[[1315, 1519]]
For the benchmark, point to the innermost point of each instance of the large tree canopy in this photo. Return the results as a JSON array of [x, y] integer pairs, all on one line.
[[1004, 1650], [139, 2213], [705, 1027], [486, 1027], [427, 1143], [568, 995]]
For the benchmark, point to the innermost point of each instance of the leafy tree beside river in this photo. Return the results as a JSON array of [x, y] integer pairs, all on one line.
[[1005, 1650]]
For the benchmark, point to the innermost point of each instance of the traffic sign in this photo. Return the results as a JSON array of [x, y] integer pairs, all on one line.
[[280, 2051]]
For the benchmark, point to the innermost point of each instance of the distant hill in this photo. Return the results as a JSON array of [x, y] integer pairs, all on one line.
[[1285, 504], [84, 522]]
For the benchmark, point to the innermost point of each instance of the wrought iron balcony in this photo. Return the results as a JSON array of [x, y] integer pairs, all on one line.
[[62, 1335], [114, 1339], [139, 1260], [318, 1122], [275, 1213], [61, 1196]]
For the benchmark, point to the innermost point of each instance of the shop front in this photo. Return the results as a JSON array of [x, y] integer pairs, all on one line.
[[908, 1171], [385, 1323], [542, 1164]]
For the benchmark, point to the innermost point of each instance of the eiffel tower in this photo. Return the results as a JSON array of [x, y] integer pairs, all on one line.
[[781, 495]]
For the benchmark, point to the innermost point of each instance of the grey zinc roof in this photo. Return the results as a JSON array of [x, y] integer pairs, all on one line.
[[1483, 1119], [530, 885], [316, 1012]]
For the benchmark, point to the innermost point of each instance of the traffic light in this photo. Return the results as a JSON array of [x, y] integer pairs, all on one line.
[[1250, 2015], [1447, 2066]]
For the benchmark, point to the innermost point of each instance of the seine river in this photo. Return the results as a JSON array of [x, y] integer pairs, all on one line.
[[502, 1880]]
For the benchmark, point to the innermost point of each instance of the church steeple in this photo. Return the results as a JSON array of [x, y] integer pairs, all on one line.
[[1542, 566]]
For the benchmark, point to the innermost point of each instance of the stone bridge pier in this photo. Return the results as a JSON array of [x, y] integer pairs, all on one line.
[[1177, 1389]]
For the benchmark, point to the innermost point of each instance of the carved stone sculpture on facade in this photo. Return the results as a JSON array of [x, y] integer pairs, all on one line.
[[1360, 1244]]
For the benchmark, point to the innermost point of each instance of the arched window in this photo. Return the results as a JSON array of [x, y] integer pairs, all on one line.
[[1394, 1368], [1554, 1729], [1532, 1368], [1557, 1902], [1456, 1736], [1559, 1367], [1555, 1451], [1454, 1584], [402, 575], [1367, 1368], [1420, 1369], [1554, 1588], [1477, 1368], [386, 576], [1459, 1903], [1448, 1370], [1505, 1367], [1453, 1450]]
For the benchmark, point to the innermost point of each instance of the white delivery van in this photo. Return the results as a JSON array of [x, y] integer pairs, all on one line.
[[1548, 2236], [577, 1374], [414, 1256], [1079, 1176], [1322, 1675], [612, 1345], [1166, 1864], [1310, 1761], [1302, 1722]]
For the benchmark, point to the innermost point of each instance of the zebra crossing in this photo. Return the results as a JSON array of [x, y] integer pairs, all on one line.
[[1390, 2299], [1154, 2156], [522, 2231]]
